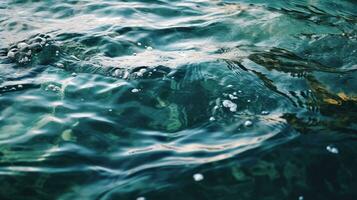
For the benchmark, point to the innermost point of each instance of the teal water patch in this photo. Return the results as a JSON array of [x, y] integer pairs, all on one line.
[[178, 99]]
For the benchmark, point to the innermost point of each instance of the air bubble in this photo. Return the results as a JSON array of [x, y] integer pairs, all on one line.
[[60, 65], [141, 72], [332, 149], [126, 75], [135, 90], [232, 96], [264, 112], [248, 123], [198, 177], [117, 73]]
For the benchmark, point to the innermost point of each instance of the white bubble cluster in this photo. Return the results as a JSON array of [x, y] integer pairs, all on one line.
[[229, 104], [53, 88], [24, 59], [23, 51]]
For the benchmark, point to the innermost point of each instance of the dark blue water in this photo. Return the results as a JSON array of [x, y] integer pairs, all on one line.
[[192, 100]]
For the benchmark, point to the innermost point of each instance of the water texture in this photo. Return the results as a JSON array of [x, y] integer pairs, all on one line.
[[159, 99]]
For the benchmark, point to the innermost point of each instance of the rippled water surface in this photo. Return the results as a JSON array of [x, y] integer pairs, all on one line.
[[181, 99]]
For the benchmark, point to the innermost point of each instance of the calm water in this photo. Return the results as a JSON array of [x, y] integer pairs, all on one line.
[[193, 100]]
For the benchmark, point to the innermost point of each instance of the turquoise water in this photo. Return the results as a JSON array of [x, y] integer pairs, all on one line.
[[148, 100]]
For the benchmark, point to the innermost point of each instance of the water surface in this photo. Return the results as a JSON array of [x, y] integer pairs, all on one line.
[[190, 100]]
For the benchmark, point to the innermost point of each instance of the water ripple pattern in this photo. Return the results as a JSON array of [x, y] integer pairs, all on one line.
[[181, 99]]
